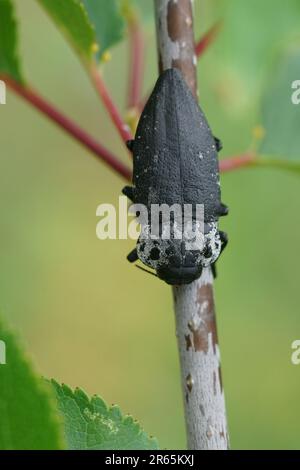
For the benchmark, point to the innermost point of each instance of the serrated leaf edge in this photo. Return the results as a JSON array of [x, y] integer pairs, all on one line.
[[85, 60], [125, 419]]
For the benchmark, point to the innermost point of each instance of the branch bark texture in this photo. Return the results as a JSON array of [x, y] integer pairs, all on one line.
[[196, 330]]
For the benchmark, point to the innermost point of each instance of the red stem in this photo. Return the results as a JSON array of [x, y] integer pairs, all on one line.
[[137, 45], [240, 161], [69, 126], [226, 165], [207, 39], [104, 94]]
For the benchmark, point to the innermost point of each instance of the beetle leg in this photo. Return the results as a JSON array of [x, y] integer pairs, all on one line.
[[214, 270], [130, 144], [133, 256], [223, 210], [129, 192], [224, 240], [218, 143]]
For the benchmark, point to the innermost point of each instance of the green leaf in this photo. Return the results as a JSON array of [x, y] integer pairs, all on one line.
[[108, 22], [253, 32], [9, 63], [280, 116], [71, 18], [28, 419], [91, 425]]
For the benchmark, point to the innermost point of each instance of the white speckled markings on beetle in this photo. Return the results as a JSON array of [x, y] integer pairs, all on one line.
[[200, 365], [194, 239]]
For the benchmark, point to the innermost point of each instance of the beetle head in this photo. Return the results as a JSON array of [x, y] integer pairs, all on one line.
[[179, 260]]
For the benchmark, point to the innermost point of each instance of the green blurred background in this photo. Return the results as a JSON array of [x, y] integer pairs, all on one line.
[[88, 318]]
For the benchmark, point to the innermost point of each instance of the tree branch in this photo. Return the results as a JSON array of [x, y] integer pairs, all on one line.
[[136, 71], [69, 126], [175, 38], [200, 48], [240, 161], [204, 402], [207, 39], [109, 104], [85, 139]]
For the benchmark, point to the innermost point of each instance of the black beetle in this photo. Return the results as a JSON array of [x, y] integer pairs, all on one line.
[[175, 161]]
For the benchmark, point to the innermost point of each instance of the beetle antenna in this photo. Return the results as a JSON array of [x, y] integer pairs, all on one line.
[[146, 270]]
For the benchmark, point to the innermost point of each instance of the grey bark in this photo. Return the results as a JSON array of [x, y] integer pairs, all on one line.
[[203, 394]]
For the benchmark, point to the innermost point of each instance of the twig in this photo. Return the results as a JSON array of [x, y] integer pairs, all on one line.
[[85, 139], [136, 63], [200, 48], [207, 39], [109, 104], [69, 126], [175, 38], [240, 161], [204, 402]]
